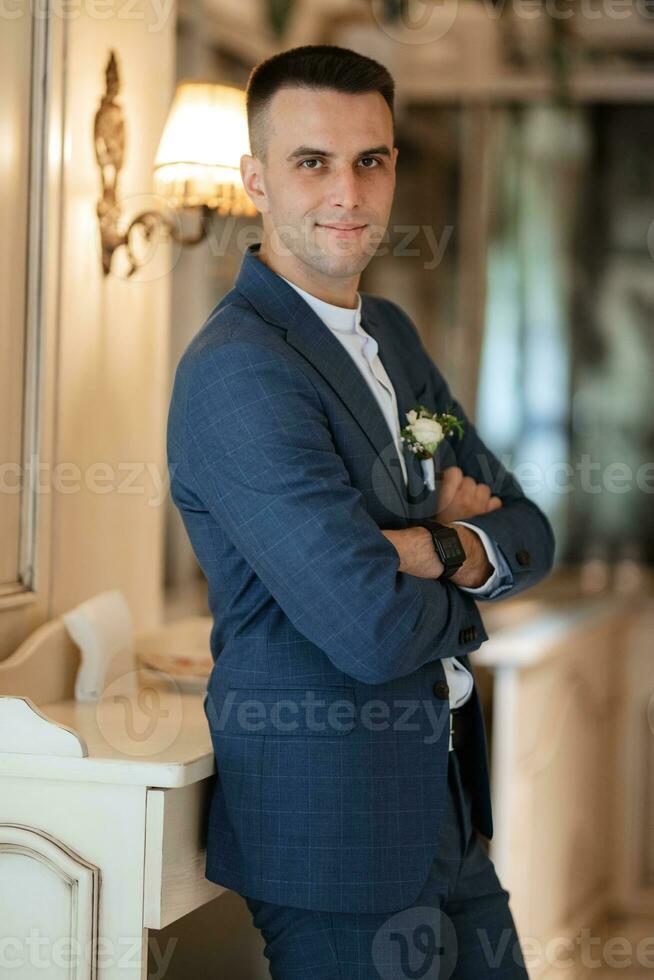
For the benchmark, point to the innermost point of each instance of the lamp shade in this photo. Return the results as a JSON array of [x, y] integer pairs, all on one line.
[[198, 159]]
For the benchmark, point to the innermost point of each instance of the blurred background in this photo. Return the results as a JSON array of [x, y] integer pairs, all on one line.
[[521, 243]]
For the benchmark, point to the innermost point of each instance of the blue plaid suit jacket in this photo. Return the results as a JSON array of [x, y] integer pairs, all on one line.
[[327, 703]]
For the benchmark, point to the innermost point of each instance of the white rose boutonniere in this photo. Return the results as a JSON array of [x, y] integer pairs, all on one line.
[[424, 433]]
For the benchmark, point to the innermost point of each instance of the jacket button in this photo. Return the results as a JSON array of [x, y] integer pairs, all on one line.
[[465, 635], [523, 557], [441, 690]]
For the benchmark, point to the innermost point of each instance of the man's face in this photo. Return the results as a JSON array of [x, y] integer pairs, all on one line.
[[330, 161]]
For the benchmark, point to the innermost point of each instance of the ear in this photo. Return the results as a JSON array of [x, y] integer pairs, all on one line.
[[252, 178]]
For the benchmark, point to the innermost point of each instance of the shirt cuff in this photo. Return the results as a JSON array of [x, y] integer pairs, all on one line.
[[501, 578]]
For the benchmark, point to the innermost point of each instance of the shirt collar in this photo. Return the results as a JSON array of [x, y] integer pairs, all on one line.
[[336, 317]]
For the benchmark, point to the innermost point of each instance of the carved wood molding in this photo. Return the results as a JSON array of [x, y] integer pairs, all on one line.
[[25, 729], [81, 878]]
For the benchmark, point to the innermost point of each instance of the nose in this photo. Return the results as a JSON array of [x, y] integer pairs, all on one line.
[[344, 190]]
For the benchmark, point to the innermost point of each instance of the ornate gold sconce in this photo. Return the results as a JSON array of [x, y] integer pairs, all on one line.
[[196, 169]]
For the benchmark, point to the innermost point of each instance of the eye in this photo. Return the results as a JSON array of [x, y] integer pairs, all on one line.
[[374, 160]]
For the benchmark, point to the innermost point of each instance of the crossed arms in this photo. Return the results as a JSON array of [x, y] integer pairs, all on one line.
[[258, 453], [460, 496]]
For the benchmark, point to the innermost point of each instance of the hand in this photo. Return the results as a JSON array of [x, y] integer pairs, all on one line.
[[460, 497], [476, 569]]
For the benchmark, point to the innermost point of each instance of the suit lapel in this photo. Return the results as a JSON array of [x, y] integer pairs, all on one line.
[[403, 393], [278, 303], [316, 342]]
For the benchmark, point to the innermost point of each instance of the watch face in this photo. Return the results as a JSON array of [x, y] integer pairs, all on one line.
[[448, 547], [451, 548]]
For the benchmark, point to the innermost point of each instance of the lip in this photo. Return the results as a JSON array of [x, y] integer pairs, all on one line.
[[344, 230]]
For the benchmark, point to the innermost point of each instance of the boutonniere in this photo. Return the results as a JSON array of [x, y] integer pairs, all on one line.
[[423, 435]]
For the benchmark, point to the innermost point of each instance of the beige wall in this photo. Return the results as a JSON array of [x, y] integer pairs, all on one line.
[[105, 341], [105, 391]]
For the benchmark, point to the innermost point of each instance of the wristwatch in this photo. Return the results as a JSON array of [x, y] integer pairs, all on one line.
[[447, 545]]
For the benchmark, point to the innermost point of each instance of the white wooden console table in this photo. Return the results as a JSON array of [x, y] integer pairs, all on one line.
[[102, 813]]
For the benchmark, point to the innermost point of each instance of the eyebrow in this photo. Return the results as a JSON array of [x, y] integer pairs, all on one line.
[[309, 151]]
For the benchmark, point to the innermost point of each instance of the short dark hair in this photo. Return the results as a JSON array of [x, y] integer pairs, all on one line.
[[319, 66]]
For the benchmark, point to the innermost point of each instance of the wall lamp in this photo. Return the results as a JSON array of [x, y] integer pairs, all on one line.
[[196, 168]]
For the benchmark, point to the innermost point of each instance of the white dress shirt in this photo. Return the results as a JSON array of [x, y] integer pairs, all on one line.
[[345, 324]]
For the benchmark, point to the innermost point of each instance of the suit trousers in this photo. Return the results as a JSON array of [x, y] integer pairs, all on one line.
[[460, 926]]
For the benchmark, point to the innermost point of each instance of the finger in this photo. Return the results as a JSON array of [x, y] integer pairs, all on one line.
[[467, 494], [493, 504], [452, 477], [482, 496], [467, 490]]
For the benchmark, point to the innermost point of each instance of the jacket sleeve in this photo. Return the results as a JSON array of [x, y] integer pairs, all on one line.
[[258, 452], [519, 527]]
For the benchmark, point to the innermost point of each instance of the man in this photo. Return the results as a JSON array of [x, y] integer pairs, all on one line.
[[352, 772]]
